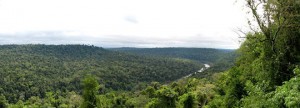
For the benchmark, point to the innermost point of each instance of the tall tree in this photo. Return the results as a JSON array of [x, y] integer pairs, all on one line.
[[90, 90], [279, 24], [268, 56], [3, 102]]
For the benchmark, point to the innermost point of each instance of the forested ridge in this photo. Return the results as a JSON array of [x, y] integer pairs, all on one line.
[[50, 75], [33, 70], [203, 55], [218, 59]]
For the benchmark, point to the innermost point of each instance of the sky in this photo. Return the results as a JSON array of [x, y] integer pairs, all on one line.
[[123, 23]]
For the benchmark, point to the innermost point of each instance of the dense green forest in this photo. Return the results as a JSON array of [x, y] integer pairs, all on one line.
[[35, 73], [33, 70], [266, 73], [203, 55], [218, 59]]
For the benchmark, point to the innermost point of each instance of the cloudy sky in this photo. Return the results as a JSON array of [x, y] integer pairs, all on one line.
[[122, 23]]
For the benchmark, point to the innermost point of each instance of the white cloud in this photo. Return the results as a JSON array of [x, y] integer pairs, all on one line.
[[121, 23]]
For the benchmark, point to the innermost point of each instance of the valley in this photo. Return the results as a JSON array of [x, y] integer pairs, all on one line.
[[35, 70]]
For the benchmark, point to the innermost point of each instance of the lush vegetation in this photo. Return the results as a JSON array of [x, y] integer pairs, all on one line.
[[265, 75], [52, 75], [203, 55], [34, 70], [187, 93], [218, 59]]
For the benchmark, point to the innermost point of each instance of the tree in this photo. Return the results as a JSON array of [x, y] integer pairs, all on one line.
[[269, 55], [90, 90], [188, 100], [279, 24], [3, 102], [165, 97]]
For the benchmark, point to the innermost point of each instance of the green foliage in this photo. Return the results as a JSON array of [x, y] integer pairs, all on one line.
[[167, 96], [120, 101], [53, 100], [219, 59], [43, 76], [203, 55], [189, 93], [285, 96], [263, 76], [34, 70], [90, 90], [155, 103], [297, 71], [3, 102], [288, 95], [164, 97], [138, 101], [188, 100], [104, 101]]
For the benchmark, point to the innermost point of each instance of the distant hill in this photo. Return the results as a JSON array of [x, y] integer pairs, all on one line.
[[219, 59], [203, 55], [33, 70]]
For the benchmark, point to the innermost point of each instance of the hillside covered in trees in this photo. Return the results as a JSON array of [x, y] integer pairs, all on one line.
[[203, 55], [33, 70], [218, 59], [266, 75]]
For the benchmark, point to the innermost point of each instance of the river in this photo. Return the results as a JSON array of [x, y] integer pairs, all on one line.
[[206, 66]]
